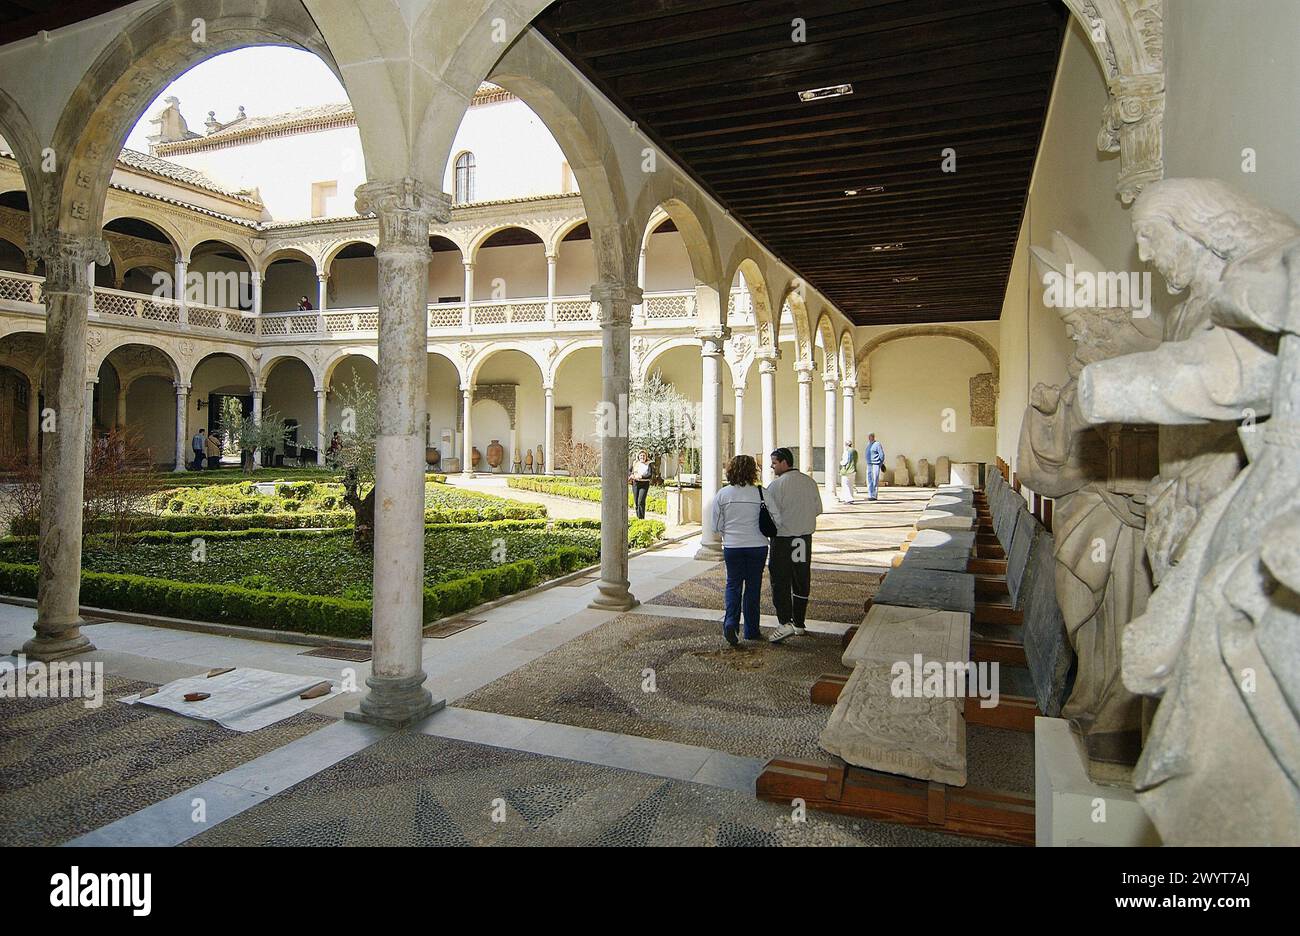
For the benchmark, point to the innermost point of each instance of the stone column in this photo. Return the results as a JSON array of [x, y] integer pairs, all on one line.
[[90, 411], [257, 293], [182, 274], [638, 311], [183, 454], [467, 317], [614, 301], [33, 421], [67, 295], [549, 438], [712, 340], [550, 287], [257, 418], [830, 385], [322, 290], [739, 424], [767, 389], [804, 374], [467, 407], [321, 394], [119, 416], [848, 417], [405, 209]]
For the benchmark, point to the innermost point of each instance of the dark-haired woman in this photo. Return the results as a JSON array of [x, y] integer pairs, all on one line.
[[744, 547]]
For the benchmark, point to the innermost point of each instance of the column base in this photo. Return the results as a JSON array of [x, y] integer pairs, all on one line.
[[45, 649], [614, 596], [395, 703], [709, 552]]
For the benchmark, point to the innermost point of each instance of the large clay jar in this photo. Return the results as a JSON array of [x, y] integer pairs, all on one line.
[[478, 456], [432, 456], [495, 454], [528, 461]]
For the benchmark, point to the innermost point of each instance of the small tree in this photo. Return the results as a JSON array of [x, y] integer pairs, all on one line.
[[660, 419], [248, 435], [358, 429], [20, 477], [117, 484], [581, 460]]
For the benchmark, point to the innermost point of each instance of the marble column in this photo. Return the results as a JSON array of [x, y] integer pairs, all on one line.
[[181, 290], [322, 291], [767, 390], [257, 418], [712, 339], [321, 395], [183, 451], [614, 301], [405, 209], [848, 417], [119, 417], [804, 374], [90, 412], [467, 441], [67, 296], [467, 317], [739, 423], [550, 287], [549, 438], [638, 311], [257, 293], [831, 386]]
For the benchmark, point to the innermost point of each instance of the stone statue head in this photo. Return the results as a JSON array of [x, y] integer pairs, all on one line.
[[1189, 229]]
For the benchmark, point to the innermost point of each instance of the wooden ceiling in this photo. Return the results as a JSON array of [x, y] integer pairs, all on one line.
[[715, 83], [22, 18]]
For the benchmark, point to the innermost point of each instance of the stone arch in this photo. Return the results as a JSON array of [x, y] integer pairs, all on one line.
[[97, 355], [653, 352], [485, 353], [564, 104], [794, 301], [25, 353], [481, 236], [567, 351], [1127, 37], [339, 356], [333, 250], [249, 369], [825, 331], [286, 354], [690, 215], [292, 253], [847, 363], [563, 230], [147, 55], [18, 132], [976, 341], [767, 319], [207, 237], [166, 226]]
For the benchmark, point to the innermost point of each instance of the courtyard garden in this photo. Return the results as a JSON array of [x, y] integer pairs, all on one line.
[[586, 489], [276, 550]]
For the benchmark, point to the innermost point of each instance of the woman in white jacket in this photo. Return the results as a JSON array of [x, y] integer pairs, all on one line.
[[744, 547]]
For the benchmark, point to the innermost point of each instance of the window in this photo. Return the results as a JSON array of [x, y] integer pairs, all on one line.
[[464, 191], [323, 197]]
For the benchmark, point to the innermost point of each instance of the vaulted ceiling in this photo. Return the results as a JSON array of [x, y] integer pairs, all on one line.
[[22, 18], [716, 84]]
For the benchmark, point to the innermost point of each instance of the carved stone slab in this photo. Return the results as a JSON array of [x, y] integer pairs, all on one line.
[[928, 588], [1018, 556], [919, 735], [1047, 646], [942, 470], [965, 473], [1006, 505], [947, 519], [944, 550], [894, 632]]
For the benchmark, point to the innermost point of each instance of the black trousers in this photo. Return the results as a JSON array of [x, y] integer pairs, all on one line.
[[790, 566], [640, 489]]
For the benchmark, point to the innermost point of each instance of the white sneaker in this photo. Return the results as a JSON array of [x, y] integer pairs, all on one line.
[[784, 631]]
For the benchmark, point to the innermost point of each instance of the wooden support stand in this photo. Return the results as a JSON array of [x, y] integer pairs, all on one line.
[[834, 786], [1014, 713]]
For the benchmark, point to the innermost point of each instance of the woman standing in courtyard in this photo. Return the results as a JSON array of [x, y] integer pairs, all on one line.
[[640, 480], [736, 513]]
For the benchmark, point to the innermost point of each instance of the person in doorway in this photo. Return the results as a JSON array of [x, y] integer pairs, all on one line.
[[335, 450], [797, 500], [848, 472], [875, 464], [213, 449], [744, 547], [304, 304], [640, 481], [198, 447]]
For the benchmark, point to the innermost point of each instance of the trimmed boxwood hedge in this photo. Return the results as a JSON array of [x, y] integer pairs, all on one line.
[[560, 487]]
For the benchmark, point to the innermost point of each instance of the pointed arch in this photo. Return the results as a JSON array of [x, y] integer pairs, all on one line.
[[973, 339]]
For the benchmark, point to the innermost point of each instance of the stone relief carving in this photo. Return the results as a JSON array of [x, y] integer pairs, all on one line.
[[1217, 643], [983, 400], [1102, 578]]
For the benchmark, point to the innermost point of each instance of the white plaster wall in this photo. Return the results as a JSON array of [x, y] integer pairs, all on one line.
[[510, 272], [515, 154], [291, 394], [284, 283], [353, 284], [578, 384], [668, 266], [151, 411], [444, 402]]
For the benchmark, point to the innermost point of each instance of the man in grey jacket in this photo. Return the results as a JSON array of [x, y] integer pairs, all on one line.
[[797, 502]]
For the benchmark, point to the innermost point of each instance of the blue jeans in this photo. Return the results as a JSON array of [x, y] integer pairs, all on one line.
[[873, 480], [744, 584]]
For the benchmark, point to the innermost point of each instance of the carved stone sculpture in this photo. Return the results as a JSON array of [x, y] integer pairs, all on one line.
[[902, 476], [1102, 579], [1218, 643]]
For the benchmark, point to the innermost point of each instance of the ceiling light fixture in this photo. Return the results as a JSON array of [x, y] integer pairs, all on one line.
[[819, 94], [886, 247], [906, 279]]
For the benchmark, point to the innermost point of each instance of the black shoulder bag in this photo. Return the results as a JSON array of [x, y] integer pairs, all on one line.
[[766, 525]]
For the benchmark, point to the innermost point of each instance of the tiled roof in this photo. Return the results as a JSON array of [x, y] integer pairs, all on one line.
[[143, 162]]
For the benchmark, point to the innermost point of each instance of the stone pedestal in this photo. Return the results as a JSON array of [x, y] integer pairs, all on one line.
[[683, 506], [1069, 809], [967, 474]]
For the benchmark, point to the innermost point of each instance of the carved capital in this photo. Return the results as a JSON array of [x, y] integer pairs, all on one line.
[[405, 210], [67, 259], [614, 300], [712, 338]]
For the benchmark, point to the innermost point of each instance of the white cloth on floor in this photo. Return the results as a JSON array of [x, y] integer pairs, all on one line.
[[241, 700]]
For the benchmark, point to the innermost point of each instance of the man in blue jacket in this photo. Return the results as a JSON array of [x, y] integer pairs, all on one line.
[[875, 462]]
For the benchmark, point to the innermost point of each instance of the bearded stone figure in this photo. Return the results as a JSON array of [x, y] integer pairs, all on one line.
[[1219, 643], [1102, 578]]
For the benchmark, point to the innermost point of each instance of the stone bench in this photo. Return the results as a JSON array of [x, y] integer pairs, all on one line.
[[876, 727], [940, 550]]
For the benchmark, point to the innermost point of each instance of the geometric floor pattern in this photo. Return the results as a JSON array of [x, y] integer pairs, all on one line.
[[67, 770], [836, 595], [751, 701], [412, 789]]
